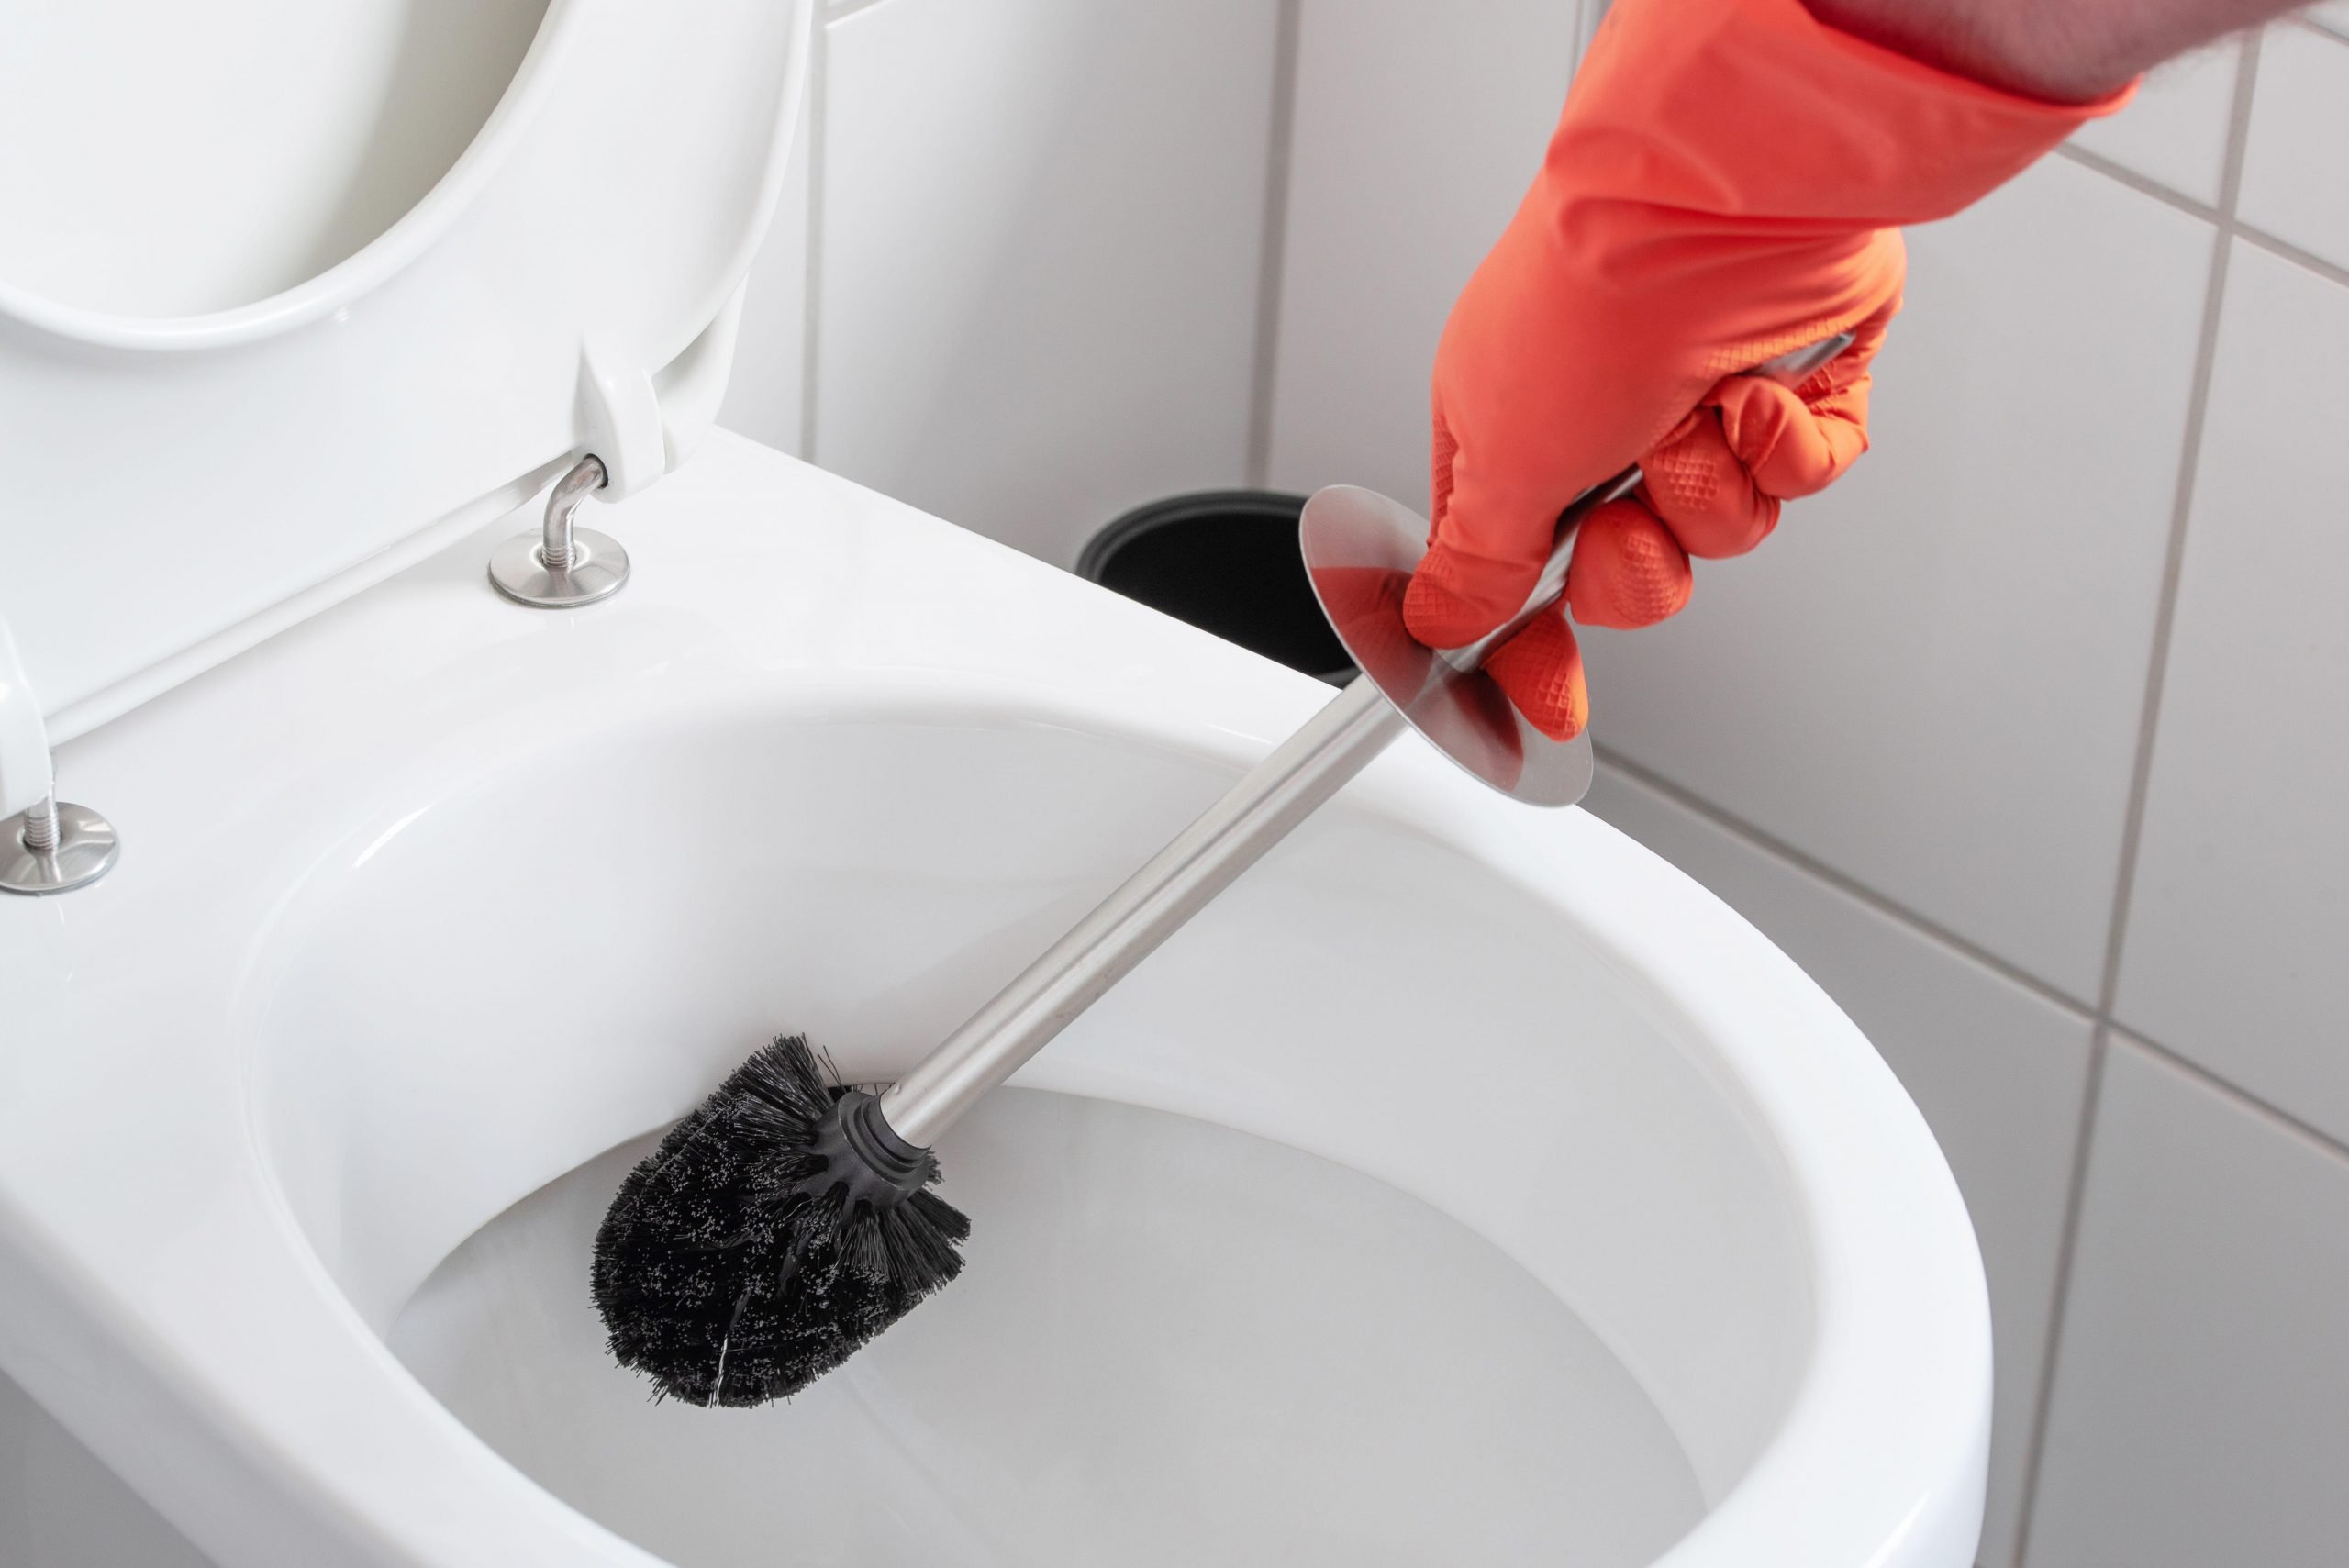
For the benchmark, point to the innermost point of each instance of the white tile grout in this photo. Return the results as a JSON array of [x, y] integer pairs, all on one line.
[[1273, 243], [1779, 849], [2262, 240], [2067, 1248], [2248, 233], [2284, 1121], [2141, 183], [2149, 722], [2189, 462]]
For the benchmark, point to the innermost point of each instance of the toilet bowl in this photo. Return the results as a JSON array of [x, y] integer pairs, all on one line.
[[309, 1100], [1465, 1183]]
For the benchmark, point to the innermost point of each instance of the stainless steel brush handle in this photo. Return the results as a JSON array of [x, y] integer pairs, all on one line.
[[1271, 798], [1256, 813], [1151, 905]]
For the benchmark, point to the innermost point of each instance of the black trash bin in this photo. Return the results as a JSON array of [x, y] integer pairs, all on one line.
[[1227, 562]]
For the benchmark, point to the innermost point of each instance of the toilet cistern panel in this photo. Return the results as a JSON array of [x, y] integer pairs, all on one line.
[[292, 295]]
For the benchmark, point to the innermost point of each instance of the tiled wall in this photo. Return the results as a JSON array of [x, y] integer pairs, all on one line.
[[1030, 300], [2024, 740]]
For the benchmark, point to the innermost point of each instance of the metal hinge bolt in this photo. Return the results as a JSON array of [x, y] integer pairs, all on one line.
[[562, 564], [54, 846]]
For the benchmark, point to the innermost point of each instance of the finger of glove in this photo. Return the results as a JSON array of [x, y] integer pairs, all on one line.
[[1797, 441], [1792, 447], [1540, 671], [1628, 569], [1464, 586], [1716, 478], [1703, 492], [1456, 596]]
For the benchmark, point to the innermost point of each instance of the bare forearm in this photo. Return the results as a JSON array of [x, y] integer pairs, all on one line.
[[2061, 50]]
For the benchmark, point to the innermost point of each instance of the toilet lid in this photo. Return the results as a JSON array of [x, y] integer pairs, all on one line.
[[293, 294]]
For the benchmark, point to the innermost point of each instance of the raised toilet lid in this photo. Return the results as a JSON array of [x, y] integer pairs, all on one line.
[[293, 294]]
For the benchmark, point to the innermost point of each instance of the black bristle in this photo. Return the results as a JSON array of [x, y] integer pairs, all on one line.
[[739, 1262]]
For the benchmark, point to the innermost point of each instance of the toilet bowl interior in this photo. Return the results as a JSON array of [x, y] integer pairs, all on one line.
[[174, 160], [1176, 1344], [523, 961]]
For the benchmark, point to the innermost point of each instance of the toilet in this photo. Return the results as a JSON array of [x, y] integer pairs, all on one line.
[[409, 900]]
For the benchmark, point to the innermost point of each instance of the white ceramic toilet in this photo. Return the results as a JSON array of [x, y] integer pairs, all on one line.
[[430, 907]]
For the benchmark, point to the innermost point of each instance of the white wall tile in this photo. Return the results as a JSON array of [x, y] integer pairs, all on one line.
[[1042, 240], [2239, 919], [1931, 677], [2175, 131], [2295, 185], [1998, 1070], [763, 398], [1418, 129], [62, 1507], [2200, 1412]]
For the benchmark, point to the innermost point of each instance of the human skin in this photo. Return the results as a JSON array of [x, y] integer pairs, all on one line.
[[2065, 51]]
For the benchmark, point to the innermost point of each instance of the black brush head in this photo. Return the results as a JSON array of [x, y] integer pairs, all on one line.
[[774, 1231]]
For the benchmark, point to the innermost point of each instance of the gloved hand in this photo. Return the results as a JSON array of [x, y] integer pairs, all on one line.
[[1725, 186]]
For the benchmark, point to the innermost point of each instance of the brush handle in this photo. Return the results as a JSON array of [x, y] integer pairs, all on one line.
[[1179, 881], [1256, 813]]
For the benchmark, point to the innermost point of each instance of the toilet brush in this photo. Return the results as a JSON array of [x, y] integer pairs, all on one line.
[[787, 1219]]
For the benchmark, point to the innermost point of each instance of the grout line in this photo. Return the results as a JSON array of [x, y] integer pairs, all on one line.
[[2206, 353], [1274, 245], [2224, 215], [2261, 239], [1699, 805], [2138, 182], [2243, 1099], [812, 290], [2060, 1300]]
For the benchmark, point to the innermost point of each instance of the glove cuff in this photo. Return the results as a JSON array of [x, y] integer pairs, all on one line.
[[1755, 110]]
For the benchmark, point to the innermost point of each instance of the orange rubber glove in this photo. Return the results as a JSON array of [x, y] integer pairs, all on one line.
[[1723, 187]]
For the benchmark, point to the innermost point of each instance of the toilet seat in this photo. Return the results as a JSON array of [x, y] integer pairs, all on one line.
[[179, 488]]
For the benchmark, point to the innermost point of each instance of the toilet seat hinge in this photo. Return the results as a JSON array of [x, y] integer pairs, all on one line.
[[48, 845], [563, 565]]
